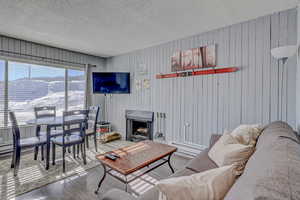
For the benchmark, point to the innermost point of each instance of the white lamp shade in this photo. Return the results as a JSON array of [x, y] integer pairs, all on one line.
[[284, 51]]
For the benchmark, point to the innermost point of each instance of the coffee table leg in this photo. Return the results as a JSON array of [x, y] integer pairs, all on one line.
[[126, 184], [169, 158], [102, 179]]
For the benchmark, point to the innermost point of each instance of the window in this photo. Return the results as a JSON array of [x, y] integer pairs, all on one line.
[[2, 94], [34, 85], [76, 91], [30, 85]]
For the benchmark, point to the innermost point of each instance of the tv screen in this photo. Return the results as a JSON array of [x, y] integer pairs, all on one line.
[[111, 82]]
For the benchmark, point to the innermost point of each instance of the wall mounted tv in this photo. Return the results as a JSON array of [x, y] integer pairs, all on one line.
[[111, 82]]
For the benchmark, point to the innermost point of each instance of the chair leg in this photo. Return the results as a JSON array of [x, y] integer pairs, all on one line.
[[17, 161], [95, 140], [53, 154], [78, 149], [36, 152], [64, 164], [74, 151], [83, 153], [13, 159], [42, 152], [87, 141]]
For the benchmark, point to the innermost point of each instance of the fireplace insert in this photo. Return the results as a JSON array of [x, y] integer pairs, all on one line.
[[139, 125]]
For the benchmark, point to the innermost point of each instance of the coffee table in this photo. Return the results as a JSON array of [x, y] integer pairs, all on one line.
[[134, 158]]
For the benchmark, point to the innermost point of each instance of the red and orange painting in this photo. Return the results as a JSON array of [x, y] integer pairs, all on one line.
[[202, 57], [176, 62]]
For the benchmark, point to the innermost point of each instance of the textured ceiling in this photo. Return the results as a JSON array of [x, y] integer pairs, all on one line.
[[112, 27]]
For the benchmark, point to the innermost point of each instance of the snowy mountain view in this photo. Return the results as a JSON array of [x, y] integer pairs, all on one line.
[[25, 94]]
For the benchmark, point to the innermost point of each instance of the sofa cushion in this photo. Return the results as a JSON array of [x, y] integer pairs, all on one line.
[[201, 162], [227, 150], [213, 139], [247, 134], [211, 184], [116, 194], [274, 130], [272, 172], [153, 193]]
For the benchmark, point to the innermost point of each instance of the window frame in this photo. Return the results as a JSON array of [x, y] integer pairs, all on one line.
[[6, 81]]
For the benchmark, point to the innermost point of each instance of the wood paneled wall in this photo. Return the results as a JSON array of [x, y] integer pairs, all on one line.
[[263, 90]]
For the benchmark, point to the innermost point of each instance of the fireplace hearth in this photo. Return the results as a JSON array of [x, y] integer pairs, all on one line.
[[139, 125]]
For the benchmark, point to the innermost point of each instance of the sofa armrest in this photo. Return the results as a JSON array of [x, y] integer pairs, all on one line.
[[213, 139], [116, 194]]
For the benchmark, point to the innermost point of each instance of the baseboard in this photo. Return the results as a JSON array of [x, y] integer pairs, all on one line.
[[188, 149]]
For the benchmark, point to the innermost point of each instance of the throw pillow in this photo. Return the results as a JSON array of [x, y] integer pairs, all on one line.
[[227, 150], [209, 185], [247, 134]]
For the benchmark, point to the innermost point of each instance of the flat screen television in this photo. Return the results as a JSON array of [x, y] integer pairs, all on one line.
[[111, 82]]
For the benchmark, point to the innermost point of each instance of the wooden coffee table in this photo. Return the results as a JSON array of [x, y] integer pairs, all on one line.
[[134, 158]]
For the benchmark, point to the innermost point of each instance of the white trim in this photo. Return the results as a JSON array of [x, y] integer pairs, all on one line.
[[66, 89], [5, 111]]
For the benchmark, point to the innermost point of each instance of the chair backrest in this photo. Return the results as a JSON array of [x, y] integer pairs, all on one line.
[[44, 111], [93, 117], [75, 121], [15, 129]]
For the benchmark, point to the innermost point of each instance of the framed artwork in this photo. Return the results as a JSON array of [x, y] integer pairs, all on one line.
[[197, 57], [209, 54], [187, 59], [176, 62], [201, 57]]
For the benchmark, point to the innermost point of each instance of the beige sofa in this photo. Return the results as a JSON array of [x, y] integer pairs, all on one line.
[[272, 172]]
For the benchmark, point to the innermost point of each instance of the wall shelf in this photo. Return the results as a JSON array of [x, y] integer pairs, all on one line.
[[198, 73]]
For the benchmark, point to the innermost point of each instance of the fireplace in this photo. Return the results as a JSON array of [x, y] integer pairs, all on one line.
[[139, 125]]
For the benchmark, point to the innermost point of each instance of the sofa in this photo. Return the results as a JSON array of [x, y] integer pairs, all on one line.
[[272, 172]]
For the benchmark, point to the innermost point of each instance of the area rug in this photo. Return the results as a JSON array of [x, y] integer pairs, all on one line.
[[32, 173]]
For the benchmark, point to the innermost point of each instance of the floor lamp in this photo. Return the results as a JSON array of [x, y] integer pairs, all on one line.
[[283, 53]]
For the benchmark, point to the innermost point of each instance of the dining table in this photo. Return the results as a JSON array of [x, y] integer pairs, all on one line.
[[49, 123]]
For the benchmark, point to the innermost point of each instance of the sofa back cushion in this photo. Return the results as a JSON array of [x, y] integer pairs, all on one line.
[[227, 150], [273, 171], [273, 131]]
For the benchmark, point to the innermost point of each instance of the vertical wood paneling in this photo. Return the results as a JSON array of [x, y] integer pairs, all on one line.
[[214, 103], [291, 76]]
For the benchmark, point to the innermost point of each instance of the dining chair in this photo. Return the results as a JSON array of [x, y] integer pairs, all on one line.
[[19, 144], [74, 123], [92, 125], [46, 112]]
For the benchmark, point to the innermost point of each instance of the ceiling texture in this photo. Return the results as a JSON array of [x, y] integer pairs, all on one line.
[[112, 27]]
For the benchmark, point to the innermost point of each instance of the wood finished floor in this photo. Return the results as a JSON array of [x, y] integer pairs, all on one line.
[[82, 187]]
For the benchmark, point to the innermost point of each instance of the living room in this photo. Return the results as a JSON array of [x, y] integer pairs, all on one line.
[[139, 99]]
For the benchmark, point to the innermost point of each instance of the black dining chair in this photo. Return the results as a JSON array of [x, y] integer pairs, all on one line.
[[43, 112], [92, 125], [19, 144], [46, 112], [74, 123]]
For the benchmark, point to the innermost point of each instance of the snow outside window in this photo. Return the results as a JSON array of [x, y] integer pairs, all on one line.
[[31, 85], [76, 89]]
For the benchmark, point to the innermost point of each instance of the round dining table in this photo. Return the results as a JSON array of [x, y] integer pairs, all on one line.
[[51, 122]]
